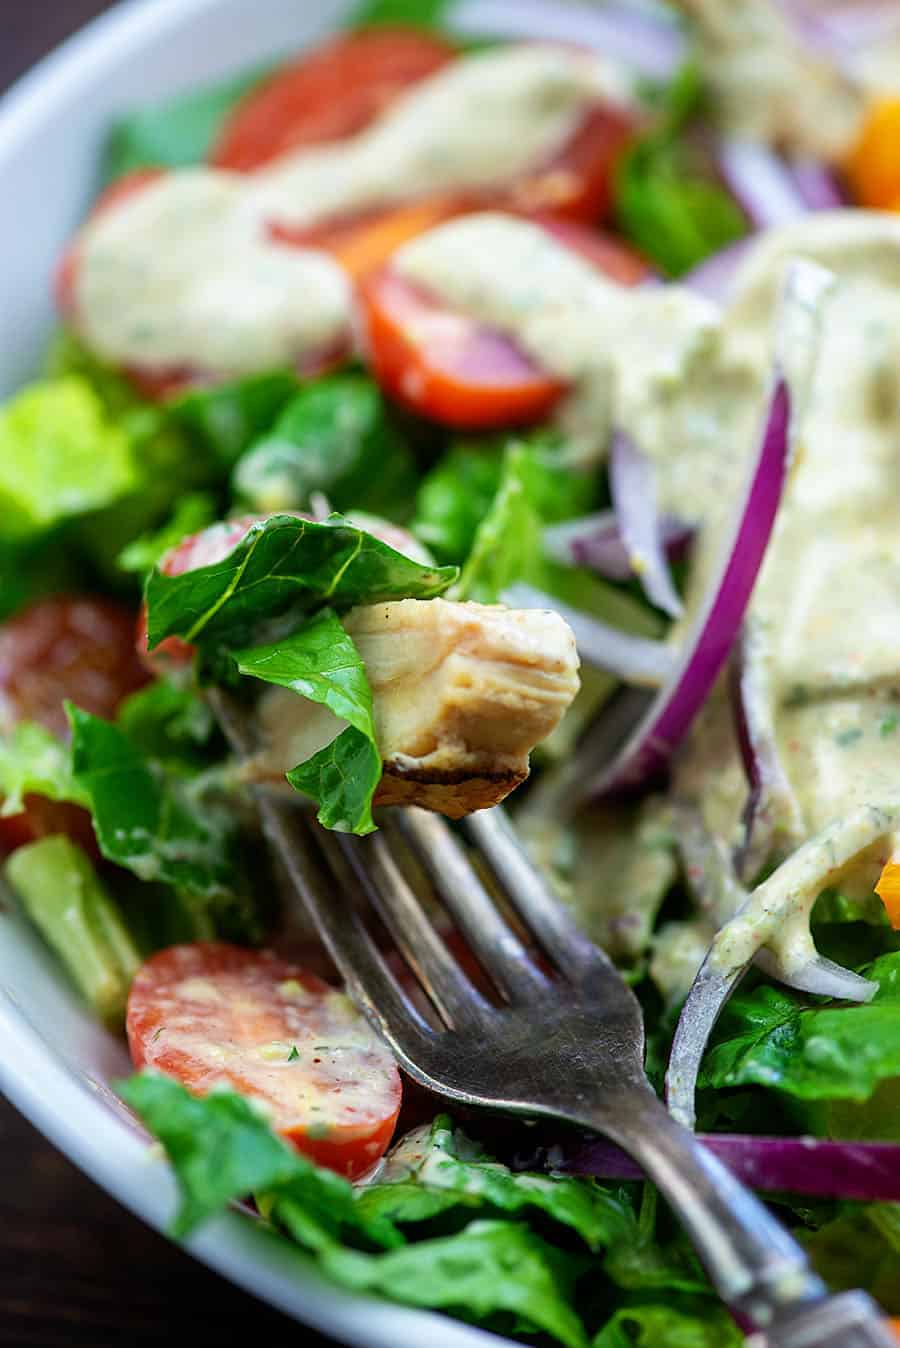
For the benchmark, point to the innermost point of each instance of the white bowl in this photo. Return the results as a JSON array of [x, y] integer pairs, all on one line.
[[56, 1063]]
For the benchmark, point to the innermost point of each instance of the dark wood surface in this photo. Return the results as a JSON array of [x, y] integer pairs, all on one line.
[[76, 1270]]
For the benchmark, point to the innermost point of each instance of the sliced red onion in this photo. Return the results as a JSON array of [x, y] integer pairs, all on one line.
[[637, 660], [714, 278], [816, 184], [869, 1171], [706, 647], [595, 541], [662, 725], [761, 183], [632, 479], [648, 40]]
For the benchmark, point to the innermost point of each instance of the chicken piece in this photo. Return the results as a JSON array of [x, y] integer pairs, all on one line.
[[462, 694]]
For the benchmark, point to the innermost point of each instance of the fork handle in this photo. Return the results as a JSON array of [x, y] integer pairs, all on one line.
[[757, 1268]]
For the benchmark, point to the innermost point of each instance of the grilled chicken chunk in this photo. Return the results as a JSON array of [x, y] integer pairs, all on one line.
[[462, 694]]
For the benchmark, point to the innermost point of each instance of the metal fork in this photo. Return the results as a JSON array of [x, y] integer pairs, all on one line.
[[567, 1045]]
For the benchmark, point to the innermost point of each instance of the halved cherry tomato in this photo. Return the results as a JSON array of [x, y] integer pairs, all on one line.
[[151, 384], [577, 182], [327, 94], [612, 257], [447, 367], [65, 647], [202, 549], [67, 269], [461, 373], [217, 1015]]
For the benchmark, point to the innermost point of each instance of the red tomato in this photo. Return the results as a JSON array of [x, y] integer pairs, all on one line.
[[577, 182], [201, 549], [612, 257], [120, 190], [64, 647], [152, 384], [70, 646], [456, 371], [447, 367], [217, 1015], [327, 94]]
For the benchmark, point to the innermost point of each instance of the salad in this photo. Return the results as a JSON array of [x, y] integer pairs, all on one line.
[[499, 419]]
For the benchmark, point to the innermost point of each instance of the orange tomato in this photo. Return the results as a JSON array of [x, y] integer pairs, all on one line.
[[873, 165]]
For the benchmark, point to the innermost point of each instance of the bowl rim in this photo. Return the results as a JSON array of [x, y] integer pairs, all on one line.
[[70, 1113]]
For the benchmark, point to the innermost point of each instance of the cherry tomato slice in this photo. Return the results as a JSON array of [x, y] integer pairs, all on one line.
[[202, 549], [327, 94], [453, 370], [611, 256], [67, 269], [577, 182], [446, 367], [69, 646], [64, 647], [217, 1015]]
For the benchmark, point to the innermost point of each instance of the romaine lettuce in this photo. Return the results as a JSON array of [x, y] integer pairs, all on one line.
[[33, 761], [158, 824], [321, 662], [781, 1040], [337, 436], [284, 565], [60, 456]]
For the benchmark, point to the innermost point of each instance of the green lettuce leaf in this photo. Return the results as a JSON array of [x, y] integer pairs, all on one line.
[[659, 1326], [438, 1166], [403, 13], [60, 457], [777, 1039], [667, 200], [454, 498], [342, 779], [321, 662], [34, 761], [169, 460], [222, 1149], [153, 822], [508, 548], [860, 1249], [458, 493], [284, 564], [192, 513], [226, 418], [177, 132], [169, 722], [493, 1272], [337, 436]]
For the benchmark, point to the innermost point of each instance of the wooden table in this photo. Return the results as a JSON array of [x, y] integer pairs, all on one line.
[[76, 1270]]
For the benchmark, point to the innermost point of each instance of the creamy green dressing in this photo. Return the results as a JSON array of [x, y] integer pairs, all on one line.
[[770, 83], [627, 352], [186, 273], [826, 603]]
